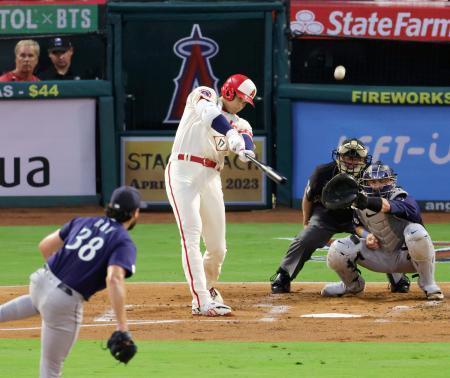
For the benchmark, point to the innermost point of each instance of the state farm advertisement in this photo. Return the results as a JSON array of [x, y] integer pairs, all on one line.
[[384, 20]]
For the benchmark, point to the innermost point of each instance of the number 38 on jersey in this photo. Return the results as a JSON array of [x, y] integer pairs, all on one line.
[[87, 248]]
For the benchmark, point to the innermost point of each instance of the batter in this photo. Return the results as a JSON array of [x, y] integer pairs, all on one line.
[[208, 130]]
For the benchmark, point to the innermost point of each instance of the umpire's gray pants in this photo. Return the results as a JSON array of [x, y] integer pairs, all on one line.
[[318, 232], [61, 319]]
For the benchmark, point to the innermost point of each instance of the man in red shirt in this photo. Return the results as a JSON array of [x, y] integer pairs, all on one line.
[[27, 56]]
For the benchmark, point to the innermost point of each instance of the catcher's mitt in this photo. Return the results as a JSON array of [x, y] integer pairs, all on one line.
[[340, 192], [122, 347]]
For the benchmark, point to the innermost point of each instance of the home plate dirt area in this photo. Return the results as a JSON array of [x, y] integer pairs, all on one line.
[[160, 311]]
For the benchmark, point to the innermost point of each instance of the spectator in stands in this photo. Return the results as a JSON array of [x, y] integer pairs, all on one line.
[[60, 52], [27, 57]]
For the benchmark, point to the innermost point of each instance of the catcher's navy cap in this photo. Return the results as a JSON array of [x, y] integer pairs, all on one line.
[[126, 198], [59, 44]]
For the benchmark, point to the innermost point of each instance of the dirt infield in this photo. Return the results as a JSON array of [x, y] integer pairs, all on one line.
[[19, 216], [162, 311]]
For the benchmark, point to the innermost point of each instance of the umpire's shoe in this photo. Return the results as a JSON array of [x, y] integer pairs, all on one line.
[[280, 282], [401, 286]]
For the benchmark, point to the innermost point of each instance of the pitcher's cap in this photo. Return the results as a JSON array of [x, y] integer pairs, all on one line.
[[126, 198]]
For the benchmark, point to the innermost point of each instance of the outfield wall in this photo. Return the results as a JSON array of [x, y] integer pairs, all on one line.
[[155, 52], [405, 127]]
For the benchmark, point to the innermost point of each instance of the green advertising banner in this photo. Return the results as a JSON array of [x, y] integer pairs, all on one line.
[[54, 89], [373, 95], [60, 17]]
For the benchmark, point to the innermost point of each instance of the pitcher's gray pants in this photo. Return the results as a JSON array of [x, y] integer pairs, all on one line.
[[61, 318]]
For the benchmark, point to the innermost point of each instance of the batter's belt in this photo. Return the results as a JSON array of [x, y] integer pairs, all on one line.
[[196, 159]]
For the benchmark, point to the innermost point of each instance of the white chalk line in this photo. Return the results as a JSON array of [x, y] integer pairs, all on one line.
[[108, 318], [143, 322], [274, 312], [331, 315]]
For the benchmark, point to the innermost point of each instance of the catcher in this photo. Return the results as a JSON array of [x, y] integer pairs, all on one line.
[[82, 257], [392, 237], [321, 223]]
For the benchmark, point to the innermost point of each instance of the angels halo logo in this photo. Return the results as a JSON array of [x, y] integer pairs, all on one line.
[[195, 52]]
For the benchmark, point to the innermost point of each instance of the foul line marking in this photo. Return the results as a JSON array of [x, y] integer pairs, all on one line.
[[331, 315], [134, 322], [140, 322]]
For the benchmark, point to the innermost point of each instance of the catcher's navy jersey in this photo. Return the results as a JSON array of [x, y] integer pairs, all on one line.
[[407, 208], [90, 246]]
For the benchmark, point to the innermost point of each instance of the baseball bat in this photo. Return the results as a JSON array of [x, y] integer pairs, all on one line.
[[269, 171]]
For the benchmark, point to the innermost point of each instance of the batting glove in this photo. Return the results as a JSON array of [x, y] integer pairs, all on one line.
[[235, 141], [244, 158]]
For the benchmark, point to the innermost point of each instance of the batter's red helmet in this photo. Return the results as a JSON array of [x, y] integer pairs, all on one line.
[[239, 85]]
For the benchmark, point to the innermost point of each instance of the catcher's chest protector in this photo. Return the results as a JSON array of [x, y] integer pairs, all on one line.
[[386, 227]]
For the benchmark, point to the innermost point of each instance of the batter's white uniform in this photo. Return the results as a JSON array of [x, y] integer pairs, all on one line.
[[194, 189]]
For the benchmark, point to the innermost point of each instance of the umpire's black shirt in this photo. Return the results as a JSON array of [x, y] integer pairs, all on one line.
[[318, 179]]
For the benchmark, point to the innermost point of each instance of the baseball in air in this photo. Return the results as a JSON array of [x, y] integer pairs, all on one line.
[[339, 72]]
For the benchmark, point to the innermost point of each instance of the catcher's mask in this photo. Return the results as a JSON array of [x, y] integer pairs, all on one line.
[[379, 180], [352, 157]]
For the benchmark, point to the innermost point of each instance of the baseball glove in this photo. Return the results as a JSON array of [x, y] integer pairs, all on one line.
[[340, 192], [122, 347]]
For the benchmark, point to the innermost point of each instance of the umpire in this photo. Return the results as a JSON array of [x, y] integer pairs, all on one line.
[[319, 223]]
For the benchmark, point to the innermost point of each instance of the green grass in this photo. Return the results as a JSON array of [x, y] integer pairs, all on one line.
[[254, 253], [238, 359]]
